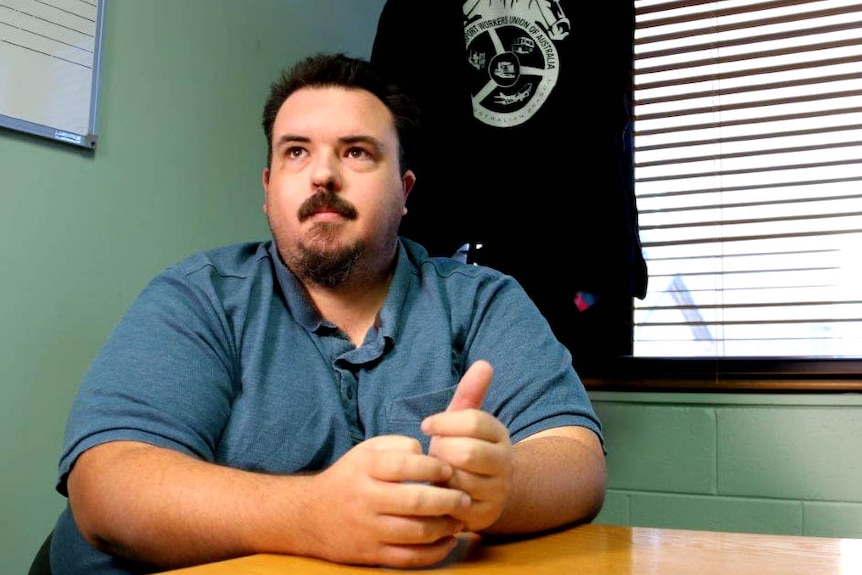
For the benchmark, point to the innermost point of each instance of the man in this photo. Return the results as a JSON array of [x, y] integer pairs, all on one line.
[[333, 393]]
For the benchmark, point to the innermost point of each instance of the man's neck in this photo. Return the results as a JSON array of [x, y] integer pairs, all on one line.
[[353, 308]]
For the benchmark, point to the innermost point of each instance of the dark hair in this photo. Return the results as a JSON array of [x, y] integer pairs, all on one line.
[[340, 70]]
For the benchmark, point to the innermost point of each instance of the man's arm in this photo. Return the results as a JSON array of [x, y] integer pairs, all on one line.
[[559, 477], [377, 505]]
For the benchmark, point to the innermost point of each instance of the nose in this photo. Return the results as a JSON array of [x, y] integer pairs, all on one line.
[[326, 172]]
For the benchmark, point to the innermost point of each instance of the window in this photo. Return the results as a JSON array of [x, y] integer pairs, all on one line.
[[748, 171]]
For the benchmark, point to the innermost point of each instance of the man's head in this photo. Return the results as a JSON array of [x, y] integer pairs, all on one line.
[[336, 179], [346, 72]]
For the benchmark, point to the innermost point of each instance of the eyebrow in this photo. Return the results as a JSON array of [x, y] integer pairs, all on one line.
[[371, 141], [357, 139], [288, 139]]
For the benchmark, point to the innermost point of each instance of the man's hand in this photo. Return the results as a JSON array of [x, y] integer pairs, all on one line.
[[478, 448], [386, 504]]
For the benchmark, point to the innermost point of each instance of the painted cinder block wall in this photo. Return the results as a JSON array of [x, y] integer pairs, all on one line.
[[754, 463]]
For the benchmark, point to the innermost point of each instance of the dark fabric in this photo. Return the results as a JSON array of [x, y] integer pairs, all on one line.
[[550, 199], [42, 561]]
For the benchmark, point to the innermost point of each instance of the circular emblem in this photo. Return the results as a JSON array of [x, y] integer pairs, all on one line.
[[514, 67]]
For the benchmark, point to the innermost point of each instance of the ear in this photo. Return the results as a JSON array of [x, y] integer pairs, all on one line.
[[264, 178], [407, 181]]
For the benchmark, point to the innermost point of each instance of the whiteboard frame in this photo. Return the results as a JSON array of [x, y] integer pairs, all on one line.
[[89, 139]]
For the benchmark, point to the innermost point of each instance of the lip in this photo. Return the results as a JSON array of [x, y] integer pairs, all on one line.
[[327, 216]]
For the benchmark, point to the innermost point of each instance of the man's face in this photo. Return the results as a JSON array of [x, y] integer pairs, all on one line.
[[334, 192]]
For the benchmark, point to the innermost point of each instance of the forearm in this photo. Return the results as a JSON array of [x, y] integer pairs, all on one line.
[[168, 509], [557, 479]]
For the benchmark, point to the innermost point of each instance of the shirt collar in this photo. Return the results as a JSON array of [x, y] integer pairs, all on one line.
[[303, 310]]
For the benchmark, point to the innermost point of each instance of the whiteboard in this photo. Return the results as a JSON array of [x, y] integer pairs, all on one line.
[[49, 68]]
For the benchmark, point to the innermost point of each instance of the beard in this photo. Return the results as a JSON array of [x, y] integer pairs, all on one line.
[[314, 262], [319, 259]]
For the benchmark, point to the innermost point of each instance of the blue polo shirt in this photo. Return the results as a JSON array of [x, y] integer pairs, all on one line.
[[224, 357]]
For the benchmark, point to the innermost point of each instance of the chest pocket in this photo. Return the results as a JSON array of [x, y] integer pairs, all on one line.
[[406, 413]]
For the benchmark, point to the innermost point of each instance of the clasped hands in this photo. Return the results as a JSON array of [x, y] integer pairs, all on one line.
[[389, 504]]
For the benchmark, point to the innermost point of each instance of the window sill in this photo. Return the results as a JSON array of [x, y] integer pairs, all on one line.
[[725, 374]]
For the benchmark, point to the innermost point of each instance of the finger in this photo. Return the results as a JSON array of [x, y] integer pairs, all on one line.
[[414, 556], [419, 500], [399, 465], [393, 443], [412, 529], [468, 424], [472, 388], [465, 454]]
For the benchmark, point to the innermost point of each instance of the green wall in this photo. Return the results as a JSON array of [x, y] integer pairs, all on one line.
[[753, 463], [177, 169]]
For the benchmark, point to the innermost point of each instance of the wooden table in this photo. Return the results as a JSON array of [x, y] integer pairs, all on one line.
[[601, 550]]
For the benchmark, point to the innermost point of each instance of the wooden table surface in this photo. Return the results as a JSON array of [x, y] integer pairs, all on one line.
[[601, 550]]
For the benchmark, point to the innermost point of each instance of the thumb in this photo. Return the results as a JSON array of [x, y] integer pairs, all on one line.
[[472, 387]]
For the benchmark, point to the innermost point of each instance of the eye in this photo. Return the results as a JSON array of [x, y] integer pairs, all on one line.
[[294, 152], [358, 153]]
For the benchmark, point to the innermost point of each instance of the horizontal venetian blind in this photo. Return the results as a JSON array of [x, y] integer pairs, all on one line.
[[748, 171]]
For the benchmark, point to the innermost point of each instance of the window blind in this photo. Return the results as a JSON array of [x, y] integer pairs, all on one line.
[[748, 177]]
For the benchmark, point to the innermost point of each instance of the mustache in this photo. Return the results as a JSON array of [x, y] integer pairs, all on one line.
[[329, 201]]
